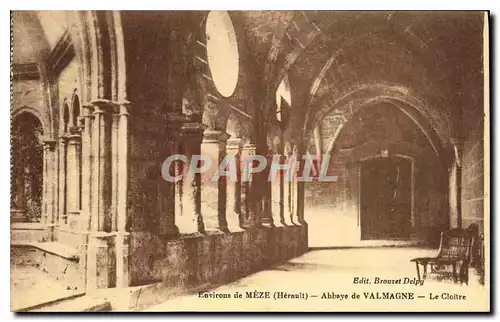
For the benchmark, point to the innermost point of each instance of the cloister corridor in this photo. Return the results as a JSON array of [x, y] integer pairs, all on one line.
[[374, 124], [331, 270]]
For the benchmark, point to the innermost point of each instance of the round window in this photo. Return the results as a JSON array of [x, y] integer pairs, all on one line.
[[222, 52]]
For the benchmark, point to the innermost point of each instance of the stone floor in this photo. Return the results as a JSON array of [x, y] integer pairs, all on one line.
[[333, 271], [30, 287]]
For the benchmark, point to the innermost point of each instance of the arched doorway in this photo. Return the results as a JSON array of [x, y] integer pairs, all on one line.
[[27, 168], [386, 198]]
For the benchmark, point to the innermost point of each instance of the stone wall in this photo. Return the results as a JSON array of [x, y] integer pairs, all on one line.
[[201, 261], [473, 171]]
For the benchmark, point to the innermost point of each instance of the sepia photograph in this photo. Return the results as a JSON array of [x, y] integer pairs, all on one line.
[[250, 161]]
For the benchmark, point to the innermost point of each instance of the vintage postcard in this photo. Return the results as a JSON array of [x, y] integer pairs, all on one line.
[[321, 161]]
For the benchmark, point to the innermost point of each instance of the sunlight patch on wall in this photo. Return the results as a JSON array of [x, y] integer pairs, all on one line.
[[283, 92]]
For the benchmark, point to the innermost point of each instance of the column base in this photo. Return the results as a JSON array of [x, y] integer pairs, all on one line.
[[189, 226], [122, 243], [101, 260], [216, 231], [50, 231], [170, 232], [17, 215], [268, 225], [233, 224]]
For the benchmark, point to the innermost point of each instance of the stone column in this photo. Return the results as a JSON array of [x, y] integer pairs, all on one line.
[[99, 264], [171, 192], [114, 163], [267, 199], [299, 187], [294, 187], [192, 220], [101, 150], [179, 185], [122, 236], [277, 191], [73, 173], [456, 184], [62, 204], [249, 216], [43, 205], [214, 146], [87, 162], [233, 188], [287, 180], [48, 181]]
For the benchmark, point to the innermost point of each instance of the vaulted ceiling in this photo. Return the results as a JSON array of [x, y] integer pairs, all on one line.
[[35, 34], [430, 60], [336, 61]]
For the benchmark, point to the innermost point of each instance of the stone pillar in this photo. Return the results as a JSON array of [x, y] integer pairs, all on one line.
[[287, 180], [122, 236], [233, 188], [62, 204], [248, 214], [294, 187], [267, 213], [191, 220], [114, 163], [300, 202], [171, 192], [456, 185], [87, 162], [179, 185], [43, 212], [73, 174], [214, 146], [101, 150], [277, 191], [100, 265], [299, 188], [48, 182]]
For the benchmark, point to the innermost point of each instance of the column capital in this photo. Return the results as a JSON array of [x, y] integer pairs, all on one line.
[[105, 106], [75, 130], [88, 108], [175, 121], [74, 139], [234, 145], [249, 146], [193, 130], [235, 142], [215, 136], [49, 144], [74, 136], [176, 118]]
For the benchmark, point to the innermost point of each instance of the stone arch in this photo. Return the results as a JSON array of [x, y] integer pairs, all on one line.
[[98, 42], [36, 113], [400, 31], [437, 134], [27, 166], [296, 34]]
